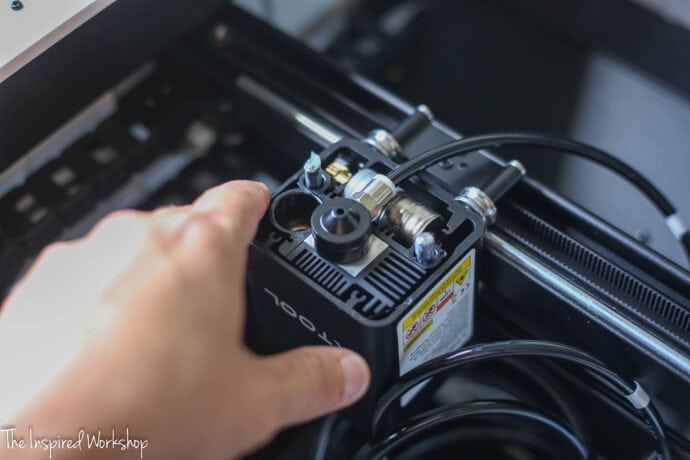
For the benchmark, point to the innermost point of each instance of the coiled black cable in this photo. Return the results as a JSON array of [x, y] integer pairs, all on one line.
[[525, 348], [498, 140], [532, 371], [554, 392], [455, 412], [498, 438]]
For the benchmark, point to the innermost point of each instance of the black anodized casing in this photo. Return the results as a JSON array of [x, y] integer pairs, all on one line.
[[296, 297]]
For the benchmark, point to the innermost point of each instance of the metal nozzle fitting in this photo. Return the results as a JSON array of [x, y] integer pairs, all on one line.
[[376, 194], [411, 218]]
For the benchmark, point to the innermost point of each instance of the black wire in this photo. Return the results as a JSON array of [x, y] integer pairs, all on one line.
[[497, 140], [482, 352], [456, 412], [653, 420], [532, 371], [324, 437], [492, 435], [469, 144], [551, 388], [685, 242], [515, 348]]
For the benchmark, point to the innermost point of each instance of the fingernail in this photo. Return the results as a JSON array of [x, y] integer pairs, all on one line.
[[261, 190], [356, 374]]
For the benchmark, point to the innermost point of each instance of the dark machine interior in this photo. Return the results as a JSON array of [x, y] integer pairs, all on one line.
[[577, 256]]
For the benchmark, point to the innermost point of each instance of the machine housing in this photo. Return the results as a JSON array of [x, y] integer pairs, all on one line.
[[383, 306]]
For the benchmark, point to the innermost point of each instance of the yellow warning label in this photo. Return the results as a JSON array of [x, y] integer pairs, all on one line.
[[456, 276], [412, 341], [442, 319]]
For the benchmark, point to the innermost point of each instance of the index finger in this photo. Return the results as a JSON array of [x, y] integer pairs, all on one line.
[[237, 206]]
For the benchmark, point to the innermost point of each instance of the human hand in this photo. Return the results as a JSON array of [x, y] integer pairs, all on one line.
[[139, 325]]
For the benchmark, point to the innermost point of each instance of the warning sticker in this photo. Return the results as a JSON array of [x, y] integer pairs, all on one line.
[[442, 321]]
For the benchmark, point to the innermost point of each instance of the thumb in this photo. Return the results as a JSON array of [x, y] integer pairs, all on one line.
[[309, 382]]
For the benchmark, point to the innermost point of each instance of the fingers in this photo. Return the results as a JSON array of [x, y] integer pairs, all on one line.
[[224, 216], [309, 382], [237, 206]]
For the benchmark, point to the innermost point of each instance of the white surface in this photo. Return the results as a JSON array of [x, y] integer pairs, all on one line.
[[27, 33]]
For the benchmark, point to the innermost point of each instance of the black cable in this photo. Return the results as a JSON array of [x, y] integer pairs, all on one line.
[[447, 414], [551, 388], [468, 436], [685, 242], [323, 439], [470, 144], [532, 371], [524, 348]]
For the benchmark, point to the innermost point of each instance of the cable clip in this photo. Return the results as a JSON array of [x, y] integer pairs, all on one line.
[[638, 398], [675, 224]]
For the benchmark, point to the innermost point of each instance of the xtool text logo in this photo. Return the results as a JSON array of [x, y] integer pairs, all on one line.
[[304, 321]]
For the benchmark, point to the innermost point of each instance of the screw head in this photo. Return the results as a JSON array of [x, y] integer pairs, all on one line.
[[642, 235], [220, 32]]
